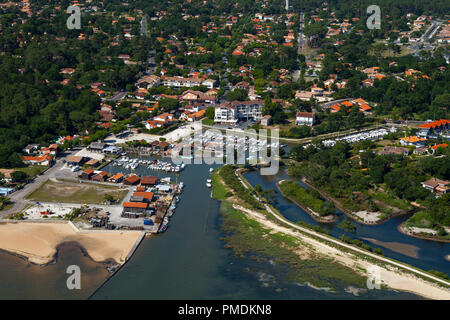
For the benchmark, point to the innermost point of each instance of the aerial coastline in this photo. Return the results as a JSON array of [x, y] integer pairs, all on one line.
[[262, 149]]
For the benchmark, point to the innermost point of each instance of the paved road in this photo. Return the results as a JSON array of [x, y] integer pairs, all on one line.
[[430, 31], [117, 96], [425, 38], [348, 246], [144, 26], [300, 42], [325, 136], [151, 63]]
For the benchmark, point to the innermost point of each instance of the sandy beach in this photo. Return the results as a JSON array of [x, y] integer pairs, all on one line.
[[406, 249], [38, 241], [391, 277]]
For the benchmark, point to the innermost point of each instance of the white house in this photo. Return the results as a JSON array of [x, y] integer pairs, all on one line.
[[304, 118], [225, 113]]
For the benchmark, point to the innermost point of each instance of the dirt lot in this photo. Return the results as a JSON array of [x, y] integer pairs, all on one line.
[[62, 191]]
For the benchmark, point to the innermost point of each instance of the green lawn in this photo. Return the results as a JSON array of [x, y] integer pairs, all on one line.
[[208, 122], [219, 191], [69, 192]]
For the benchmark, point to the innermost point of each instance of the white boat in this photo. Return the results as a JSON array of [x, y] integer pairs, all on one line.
[[208, 185], [211, 169]]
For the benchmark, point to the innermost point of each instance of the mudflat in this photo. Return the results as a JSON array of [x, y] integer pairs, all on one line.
[[38, 242]]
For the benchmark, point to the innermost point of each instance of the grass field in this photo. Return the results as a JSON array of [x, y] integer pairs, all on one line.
[[70, 192], [208, 122], [219, 191]]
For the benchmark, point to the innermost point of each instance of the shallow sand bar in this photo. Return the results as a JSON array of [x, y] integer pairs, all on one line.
[[38, 241]]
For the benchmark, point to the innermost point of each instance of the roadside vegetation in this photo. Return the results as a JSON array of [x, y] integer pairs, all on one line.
[[5, 203], [232, 181], [219, 191]]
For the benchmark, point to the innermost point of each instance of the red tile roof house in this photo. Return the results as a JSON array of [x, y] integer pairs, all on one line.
[[93, 162], [436, 186], [134, 209], [365, 108], [304, 118], [44, 160], [132, 180], [75, 160], [367, 83], [100, 177], [86, 174], [164, 117], [117, 178], [51, 149], [421, 150], [198, 96], [148, 196], [435, 147], [433, 127], [335, 108], [412, 141], [163, 145], [149, 180]]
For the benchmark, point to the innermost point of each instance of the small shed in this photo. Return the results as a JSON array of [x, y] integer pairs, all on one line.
[[132, 180], [100, 177]]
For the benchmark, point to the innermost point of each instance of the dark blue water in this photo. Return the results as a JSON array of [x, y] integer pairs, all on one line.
[[431, 254]]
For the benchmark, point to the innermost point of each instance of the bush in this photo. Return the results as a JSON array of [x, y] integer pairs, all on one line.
[[230, 179]]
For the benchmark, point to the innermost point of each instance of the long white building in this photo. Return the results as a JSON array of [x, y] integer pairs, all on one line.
[[232, 112], [304, 118], [179, 82]]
